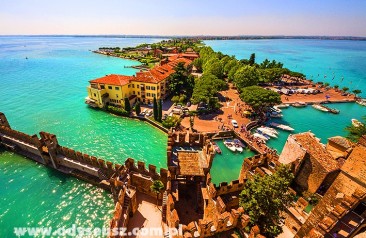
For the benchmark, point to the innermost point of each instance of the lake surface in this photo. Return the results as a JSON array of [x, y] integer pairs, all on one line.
[[43, 88]]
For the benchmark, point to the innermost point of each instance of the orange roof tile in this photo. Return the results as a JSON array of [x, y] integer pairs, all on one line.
[[316, 150], [339, 140], [113, 79]]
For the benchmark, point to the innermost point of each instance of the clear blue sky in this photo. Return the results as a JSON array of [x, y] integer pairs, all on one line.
[[184, 17]]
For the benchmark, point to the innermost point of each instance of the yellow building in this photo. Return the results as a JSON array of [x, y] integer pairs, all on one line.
[[143, 87]]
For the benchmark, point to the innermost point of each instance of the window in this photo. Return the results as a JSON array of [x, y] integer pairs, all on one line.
[[138, 86], [116, 95], [147, 87], [117, 88], [129, 86], [158, 87], [138, 93], [109, 87], [154, 95], [133, 86], [148, 94], [101, 86], [152, 88], [95, 95], [133, 93]]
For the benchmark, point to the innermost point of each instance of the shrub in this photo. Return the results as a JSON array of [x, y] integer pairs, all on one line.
[[171, 121], [118, 111]]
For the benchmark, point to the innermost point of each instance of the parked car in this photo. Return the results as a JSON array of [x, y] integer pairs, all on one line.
[[149, 113], [234, 123], [188, 104], [143, 113]]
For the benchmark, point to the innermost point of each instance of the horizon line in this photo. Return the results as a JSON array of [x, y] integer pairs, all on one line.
[[193, 36]]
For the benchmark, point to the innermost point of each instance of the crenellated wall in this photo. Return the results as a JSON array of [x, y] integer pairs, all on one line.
[[232, 187]]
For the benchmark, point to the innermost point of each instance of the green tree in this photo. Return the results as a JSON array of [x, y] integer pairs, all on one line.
[[198, 64], [326, 84], [155, 109], [214, 68], [138, 108], [160, 110], [175, 99], [345, 89], [264, 198], [259, 98], [127, 105], [232, 72], [229, 65], [355, 132], [157, 187], [357, 91], [246, 76], [171, 121], [336, 87], [179, 81], [206, 87], [252, 59]]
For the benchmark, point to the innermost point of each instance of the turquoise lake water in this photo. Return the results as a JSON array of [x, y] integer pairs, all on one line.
[[345, 59], [46, 93]]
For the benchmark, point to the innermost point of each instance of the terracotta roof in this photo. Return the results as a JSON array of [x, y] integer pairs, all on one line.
[[339, 140], [355, 163], [311, 144], [113, 79]]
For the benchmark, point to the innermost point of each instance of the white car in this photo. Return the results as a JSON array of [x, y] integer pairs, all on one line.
[[234, 123]]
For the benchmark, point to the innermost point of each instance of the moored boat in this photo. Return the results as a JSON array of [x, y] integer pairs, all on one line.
[[230, 145], [282, 126], [283, 106], [237, 141], [320, 107], [299, 104], [362, 102], [259, 136], [356, 123], [238, 148], [267, 132], [216, 148]]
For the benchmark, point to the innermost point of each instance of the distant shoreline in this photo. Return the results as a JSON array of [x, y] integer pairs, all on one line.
[[210, 37]]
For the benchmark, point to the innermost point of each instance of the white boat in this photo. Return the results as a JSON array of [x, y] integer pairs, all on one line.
[[320, 107], [276, 109], [282, 106], [238, 148], [230, 145], [282, 126], [356, 123], [362, 102], [269, 129], [275, 115], [267, 132], [259, 136]]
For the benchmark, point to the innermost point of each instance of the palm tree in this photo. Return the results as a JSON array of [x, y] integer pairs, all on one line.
[[345, 89], [157, 187], [356, 92]]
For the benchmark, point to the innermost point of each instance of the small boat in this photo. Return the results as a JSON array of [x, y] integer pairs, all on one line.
[[237, 141], [356, 123], [275, 115], [216, 148], [238, 148], [276, 109], [261, 137], [282, 106], [282, 126], [299, 104], [362, 102], [267, 132], [269, 129], [230, 145], [320, 107]]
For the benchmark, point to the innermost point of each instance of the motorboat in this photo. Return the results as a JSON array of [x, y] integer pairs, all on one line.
[[320, 107], [230, 145], [238, 148], [237, 141], [282, 106], [362, 102], [267, 132], [269, 129], [282, 126], [299, 104], [216, 148], [356, 123], [275, 114], [259, 136]]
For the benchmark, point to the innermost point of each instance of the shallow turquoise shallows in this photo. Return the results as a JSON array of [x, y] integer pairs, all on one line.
[[46, 93]]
